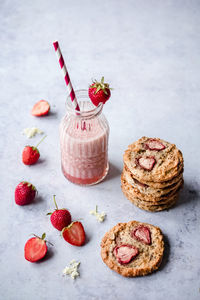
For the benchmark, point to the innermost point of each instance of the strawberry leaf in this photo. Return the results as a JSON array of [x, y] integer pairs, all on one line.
[[43, 236]]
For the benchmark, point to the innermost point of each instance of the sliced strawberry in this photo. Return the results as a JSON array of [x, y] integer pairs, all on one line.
[[74, 234], [125, 253], [41, 108], [147, 163], [142, 234], [154, 144], [35, 249]]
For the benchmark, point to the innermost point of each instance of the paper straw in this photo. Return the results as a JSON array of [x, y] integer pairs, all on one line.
[[66, 75]]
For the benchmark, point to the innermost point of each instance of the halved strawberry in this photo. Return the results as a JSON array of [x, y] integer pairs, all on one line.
[[35, 248], [125, 253], [142, 234], [147, 163], [41, 108], [154, 144], [74, 234]]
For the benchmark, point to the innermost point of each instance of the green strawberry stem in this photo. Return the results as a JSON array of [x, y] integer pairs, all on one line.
[[100, 86], [54, 199], [42, 238], [30, 185], [41, 141]]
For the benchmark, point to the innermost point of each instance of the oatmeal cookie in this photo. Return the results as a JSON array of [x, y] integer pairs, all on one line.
[[149, 190], [149, 207], [153, 160], [150, 198], [133, 249]]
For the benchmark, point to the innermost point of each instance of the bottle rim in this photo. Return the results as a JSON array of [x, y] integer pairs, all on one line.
[[82, 96]]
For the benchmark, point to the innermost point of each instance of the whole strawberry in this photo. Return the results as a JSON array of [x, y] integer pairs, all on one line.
[[60, 218], [99, 92], [24, 193], [31, 154]]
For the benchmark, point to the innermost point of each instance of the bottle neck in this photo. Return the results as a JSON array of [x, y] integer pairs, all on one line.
[[87, 109]]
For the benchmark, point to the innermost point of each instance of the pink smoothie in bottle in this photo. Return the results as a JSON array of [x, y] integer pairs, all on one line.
[[84, 142]]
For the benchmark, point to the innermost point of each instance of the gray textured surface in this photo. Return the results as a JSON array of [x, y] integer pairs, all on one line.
[[149, 52]]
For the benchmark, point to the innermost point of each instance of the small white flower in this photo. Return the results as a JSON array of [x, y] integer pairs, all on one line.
[[99, 216], [72, 270], [32, 131]]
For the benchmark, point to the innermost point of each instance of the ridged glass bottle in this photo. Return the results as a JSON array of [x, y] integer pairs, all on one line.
[[84, 142]]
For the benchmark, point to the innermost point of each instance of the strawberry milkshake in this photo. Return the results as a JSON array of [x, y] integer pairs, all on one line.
[[84, 142]]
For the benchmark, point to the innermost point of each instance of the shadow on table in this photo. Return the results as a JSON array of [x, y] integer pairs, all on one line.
[[38, 199], [41, 161], [113, 172], [87, 238], [166, 253], [188, 194], [52, 114]]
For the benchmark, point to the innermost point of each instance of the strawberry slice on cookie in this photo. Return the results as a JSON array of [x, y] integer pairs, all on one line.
[[142, 234], [154, 144], [146, 163], [125, 253]]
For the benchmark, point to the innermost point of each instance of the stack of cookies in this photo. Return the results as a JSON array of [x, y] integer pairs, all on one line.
[[153, 174]]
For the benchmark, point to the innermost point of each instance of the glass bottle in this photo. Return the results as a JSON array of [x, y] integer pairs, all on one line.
[[84, 142]]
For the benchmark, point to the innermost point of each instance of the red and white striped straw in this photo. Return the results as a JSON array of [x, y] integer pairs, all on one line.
[[66, 75]]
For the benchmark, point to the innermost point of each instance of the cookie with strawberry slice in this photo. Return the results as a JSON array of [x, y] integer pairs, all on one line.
[[133, 249], [99, 92], [153, 160], [151, 190], [145, 197], [153, 174]]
